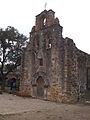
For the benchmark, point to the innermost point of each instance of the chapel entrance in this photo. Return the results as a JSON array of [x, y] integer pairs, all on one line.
[[40, 87]]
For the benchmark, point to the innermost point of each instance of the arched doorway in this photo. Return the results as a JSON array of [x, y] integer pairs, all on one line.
[[12, 85], [40, 87]]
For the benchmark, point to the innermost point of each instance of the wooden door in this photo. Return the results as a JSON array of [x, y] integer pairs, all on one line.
[[40, 87]]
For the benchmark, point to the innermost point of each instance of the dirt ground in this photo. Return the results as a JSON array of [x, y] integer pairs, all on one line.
[[17, 108]]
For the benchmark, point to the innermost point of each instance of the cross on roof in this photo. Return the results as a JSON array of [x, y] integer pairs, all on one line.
[[45, 5]]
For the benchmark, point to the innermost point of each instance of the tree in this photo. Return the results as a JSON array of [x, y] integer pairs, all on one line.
[[11, 45]]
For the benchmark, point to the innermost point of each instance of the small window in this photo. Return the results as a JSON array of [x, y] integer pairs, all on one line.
[[37, 43], [44, 21], [49, 43], [41, 62]]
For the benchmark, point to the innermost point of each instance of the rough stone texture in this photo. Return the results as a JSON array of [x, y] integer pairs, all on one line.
[[53, 68]]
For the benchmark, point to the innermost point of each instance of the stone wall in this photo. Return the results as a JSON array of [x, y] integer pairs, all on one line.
[[82, 74], [64, 67]]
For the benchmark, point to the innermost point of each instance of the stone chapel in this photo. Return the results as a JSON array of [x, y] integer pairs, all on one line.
[[53, 68]]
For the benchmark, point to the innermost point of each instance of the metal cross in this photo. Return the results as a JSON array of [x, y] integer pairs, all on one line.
[[45, 5]]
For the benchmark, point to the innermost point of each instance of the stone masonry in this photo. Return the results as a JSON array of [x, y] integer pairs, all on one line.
[[53, 68]]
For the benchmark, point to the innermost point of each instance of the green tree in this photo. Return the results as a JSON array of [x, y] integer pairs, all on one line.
[[11, 45]]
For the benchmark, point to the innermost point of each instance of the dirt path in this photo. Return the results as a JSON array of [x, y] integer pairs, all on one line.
[[17, 108]]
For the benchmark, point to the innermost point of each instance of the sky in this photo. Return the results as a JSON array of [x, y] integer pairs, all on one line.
[[74, 16]]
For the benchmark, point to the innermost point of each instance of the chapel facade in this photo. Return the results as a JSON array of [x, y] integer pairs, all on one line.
[[53, 68]]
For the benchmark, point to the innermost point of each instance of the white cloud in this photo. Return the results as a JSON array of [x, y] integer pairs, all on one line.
[[73, 15]]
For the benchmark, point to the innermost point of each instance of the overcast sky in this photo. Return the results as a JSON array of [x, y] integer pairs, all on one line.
[[74, 16]]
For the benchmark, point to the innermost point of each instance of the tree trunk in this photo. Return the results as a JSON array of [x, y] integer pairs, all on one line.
[[2, 82]]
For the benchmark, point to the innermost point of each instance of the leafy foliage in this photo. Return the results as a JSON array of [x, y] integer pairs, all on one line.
[[11, 45]]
